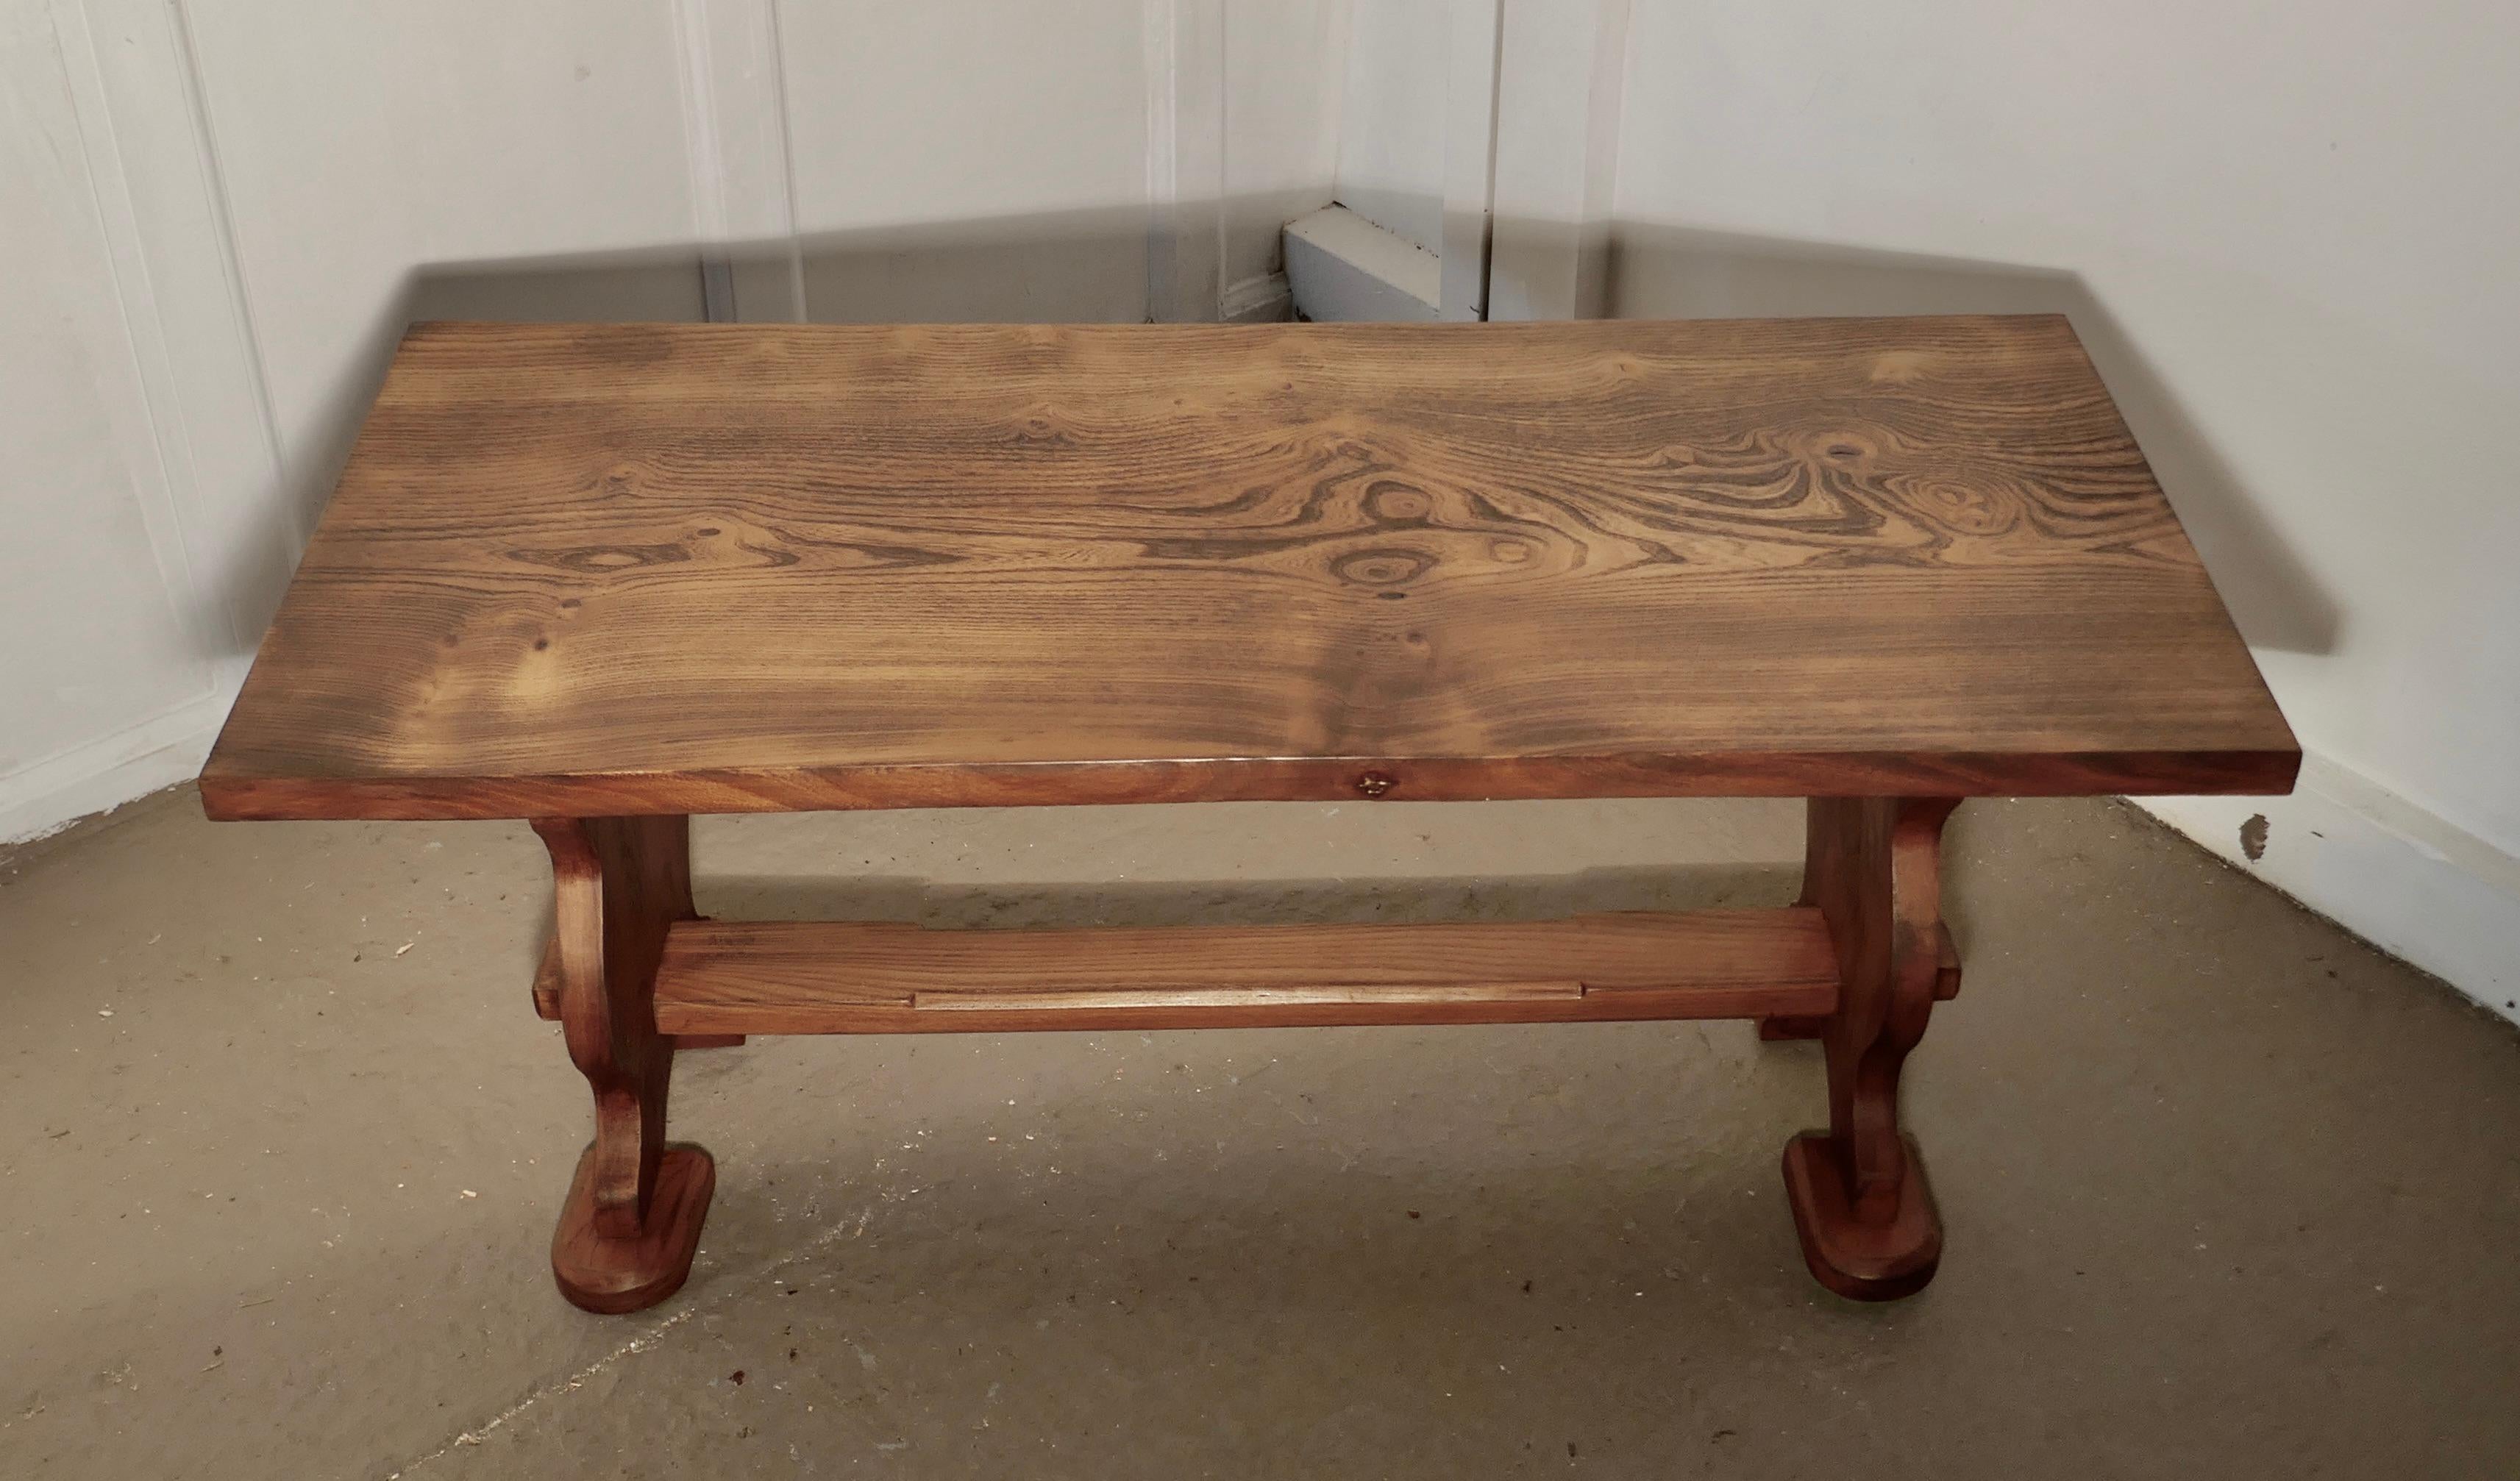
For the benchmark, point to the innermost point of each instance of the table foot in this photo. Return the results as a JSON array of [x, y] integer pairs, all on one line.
[[1873, 868], [616, 1273], [633, 1217], [1862, 1259]]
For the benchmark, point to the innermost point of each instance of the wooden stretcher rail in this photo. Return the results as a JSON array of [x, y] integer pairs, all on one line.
[[788, 978]]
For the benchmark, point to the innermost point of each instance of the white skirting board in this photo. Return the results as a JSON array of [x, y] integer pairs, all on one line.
[[2383, 868], [106, 772], [1342, 268], [1258, 300]]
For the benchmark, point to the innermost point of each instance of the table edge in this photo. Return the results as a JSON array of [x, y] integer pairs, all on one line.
[[231, 794]]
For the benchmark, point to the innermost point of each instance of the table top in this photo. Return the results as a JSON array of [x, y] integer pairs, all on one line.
[[599, 570]]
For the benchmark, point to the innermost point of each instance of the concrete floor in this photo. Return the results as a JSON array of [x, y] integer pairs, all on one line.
[[2228, 1193]]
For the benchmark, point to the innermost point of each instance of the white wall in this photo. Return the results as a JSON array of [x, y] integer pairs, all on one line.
[[1392, 118], [975, 161], [925, 164], [1283, 83], [219, 214], [2288, 235], [97, 561], [1414, 123], [359, 143], [1560, 70]]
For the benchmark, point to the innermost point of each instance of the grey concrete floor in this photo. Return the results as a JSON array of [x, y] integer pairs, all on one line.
[[2226, 1193]]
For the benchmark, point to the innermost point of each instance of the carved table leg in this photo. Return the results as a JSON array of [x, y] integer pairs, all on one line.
[[633, 1217], [1860, 1204]]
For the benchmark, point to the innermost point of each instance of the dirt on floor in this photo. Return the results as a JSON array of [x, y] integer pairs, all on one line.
[[2228, 1192]]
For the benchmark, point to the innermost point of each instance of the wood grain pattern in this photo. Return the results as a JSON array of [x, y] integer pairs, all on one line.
[[608, 569], [792, 977]]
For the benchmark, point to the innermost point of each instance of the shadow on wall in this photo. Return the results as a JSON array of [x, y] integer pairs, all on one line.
[[1094, 267]]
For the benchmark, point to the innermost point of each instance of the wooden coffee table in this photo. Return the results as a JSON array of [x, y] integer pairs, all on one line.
[[603, 578]]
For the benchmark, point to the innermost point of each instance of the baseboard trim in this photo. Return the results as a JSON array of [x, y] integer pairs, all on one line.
[[112, 770], [1264, 300], [1342, 268], [2398, 876]]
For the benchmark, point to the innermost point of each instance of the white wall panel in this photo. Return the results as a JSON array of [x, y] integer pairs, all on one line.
[[931, 182], [1283, 75], [359, 143], [95, 580], [1560, 70], [1393, 115]]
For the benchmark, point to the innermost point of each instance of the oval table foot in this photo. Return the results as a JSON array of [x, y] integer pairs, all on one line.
[[598, 1273], [1861, 1261]]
